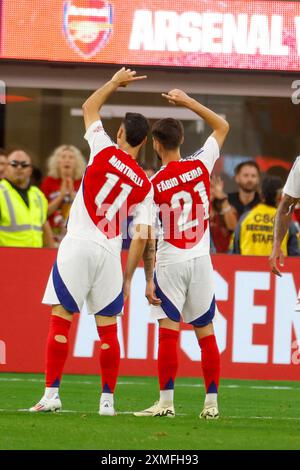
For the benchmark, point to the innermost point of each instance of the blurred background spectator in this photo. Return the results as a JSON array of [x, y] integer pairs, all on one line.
[[36, 176], [3, 162], [247, 177], [296, 215], [23, 207], [223, 217], [254, 232], [66, 167], [149, 170]]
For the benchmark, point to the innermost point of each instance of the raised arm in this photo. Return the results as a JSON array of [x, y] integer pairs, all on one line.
[[219, 125], [92, 106], [282, 221], [226, 209]]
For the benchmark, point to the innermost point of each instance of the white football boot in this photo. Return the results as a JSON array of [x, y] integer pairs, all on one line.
[[106, 408], [47, 404], [210, 412], [158, 410]]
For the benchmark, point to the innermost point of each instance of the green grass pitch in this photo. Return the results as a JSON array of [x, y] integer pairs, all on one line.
[[254, 415]]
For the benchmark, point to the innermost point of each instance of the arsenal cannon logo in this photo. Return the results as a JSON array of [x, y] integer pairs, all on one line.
[[88, 25]]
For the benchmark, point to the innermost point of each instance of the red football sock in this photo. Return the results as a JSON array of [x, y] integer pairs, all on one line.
[[109, 357], [210, 363], [167, 358], [56, 350]]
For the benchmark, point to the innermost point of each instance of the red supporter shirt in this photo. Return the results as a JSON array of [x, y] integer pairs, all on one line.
[[58, 220]]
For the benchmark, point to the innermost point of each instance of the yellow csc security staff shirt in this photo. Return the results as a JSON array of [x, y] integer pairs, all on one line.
[[254, 233], [21, 225]]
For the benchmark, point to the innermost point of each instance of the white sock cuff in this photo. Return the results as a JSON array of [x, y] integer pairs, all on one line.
[[166, 396], [107, 396], [211, 398], [50, 392]]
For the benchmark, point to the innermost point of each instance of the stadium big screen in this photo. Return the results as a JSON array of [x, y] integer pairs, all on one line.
[[226, 34]]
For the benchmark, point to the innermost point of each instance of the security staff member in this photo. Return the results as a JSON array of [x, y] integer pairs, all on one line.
[[23, 207], [254, 232]]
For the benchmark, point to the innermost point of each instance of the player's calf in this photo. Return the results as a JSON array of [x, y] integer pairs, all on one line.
[[56, 355], [109, 363], [211, 371]]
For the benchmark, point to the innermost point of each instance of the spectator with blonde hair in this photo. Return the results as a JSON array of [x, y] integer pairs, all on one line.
[[66, 167]]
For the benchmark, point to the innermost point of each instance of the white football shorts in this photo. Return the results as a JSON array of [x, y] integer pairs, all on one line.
[[85, 272], [297, 308], [186, 289]]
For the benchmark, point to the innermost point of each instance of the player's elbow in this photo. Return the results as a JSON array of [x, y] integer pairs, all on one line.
[[85, 107], [88, 107], [225, 127], [222, 131]]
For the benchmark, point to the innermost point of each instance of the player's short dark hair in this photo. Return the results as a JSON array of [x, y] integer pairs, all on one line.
[[168, 132], [3, 152], [136, 128], [269, 189], [252, 163]]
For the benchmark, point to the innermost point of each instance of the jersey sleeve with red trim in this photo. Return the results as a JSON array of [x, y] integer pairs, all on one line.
[[208, 154], [97, 138], [143, 214]]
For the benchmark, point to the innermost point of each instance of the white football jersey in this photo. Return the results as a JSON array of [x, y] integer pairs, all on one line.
[[114, 186], [292, 185], [181, 197]]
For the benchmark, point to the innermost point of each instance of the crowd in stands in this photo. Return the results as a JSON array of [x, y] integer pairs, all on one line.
[[34, 209]]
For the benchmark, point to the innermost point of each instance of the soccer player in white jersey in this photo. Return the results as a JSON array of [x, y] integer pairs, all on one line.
[[88, 266], [291, 195], [183, 283]]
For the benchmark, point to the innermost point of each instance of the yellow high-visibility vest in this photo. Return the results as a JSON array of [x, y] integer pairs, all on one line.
[[254, 233], [20, 225]]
